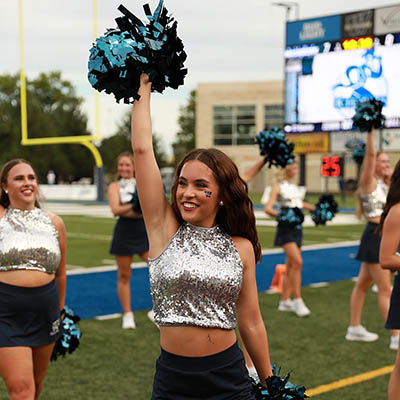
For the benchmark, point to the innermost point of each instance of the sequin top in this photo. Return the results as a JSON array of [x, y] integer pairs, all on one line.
[[196, 280], [28, 240], [290, 195], [126, 189], [373, 203]]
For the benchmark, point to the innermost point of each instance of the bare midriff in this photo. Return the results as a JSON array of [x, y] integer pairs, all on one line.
[[194, 341], [374, 220], [26, 278]]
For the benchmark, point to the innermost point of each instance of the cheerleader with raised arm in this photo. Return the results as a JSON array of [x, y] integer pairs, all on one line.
[[289, 235]]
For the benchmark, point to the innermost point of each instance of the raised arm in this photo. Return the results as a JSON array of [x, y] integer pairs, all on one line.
[[251, 172], [158, 214], [367, 175]]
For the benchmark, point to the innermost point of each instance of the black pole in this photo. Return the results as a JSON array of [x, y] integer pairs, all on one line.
[[99, 182]]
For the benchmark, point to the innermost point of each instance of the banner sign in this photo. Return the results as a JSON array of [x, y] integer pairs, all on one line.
[[387, 20], [313, 30], [358, 24], [306, 143]]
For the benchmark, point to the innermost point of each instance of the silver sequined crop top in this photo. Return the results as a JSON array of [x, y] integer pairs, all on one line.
[[28, 240], [374, 203], [290, 195], [196, 280]]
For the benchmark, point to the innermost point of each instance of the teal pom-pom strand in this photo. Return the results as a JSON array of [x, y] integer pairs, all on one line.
[[278, 388], [275, 147], [71, 335], [325, 210], [369, 115]]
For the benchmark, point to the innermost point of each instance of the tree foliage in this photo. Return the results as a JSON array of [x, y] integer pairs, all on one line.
[[114, 145], [53, 110], [185, 137]]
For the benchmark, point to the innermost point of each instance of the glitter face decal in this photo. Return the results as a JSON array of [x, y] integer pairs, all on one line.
[[208, 193]]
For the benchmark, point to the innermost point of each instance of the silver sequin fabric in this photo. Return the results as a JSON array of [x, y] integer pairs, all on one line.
[[374, 203], [28, 241], [126, 189], [290, 195], [196, 280]]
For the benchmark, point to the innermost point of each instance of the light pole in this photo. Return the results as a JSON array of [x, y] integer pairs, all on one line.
[[289, 5]]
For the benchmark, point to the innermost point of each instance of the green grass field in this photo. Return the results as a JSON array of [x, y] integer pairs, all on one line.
[[113, 364]]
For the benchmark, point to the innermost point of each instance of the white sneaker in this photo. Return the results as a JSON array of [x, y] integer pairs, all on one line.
[[150, 315], [374, 288], [360, 334], [394, 342], [300, 308], [128, 321], [286, 305]]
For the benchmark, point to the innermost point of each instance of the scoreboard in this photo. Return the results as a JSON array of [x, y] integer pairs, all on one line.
[[334, 61]]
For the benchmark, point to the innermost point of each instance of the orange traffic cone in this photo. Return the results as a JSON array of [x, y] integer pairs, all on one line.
[[277, 280]]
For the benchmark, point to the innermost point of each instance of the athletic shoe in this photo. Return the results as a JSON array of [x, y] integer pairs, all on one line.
[[150, 315], [128, 321], [394, 342], [374, 288], [286, 305], [300, 308], [360, 334]]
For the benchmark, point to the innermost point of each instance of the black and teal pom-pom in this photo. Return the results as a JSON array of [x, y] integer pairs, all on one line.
[[325, 209], [275, 147], [278, 388], [71, 335], [290, 217], [369, 115], [135, 202], [118, 58]]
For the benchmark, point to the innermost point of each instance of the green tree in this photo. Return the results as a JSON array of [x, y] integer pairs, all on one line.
[[114, 145], [53, 109], [185, 137]]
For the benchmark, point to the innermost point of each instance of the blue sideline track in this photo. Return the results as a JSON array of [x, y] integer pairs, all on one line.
[[94, 294]]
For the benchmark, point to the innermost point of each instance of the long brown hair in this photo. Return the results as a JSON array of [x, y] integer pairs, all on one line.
[[4, 199], [236, 216], [393, 196], [124, 154]]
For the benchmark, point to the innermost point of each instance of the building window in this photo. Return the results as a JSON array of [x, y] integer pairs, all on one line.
[[273, 116], [234, 125]]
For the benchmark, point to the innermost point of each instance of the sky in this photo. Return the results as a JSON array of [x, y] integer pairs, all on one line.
[[225, 40]]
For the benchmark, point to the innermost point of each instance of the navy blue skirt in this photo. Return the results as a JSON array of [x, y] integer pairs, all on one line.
[[29, 316], [129, 237], [288, 235], [393, 320], [368, 251], [221, 376]]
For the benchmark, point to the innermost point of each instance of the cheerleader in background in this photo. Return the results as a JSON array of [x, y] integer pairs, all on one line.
[[372, 196], [389, 259], [287, 194], [129, 236], [32, 281]]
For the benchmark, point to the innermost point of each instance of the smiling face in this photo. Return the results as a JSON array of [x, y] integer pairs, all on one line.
[[382, 166], [291, 171], [21, 185], [125, 168], [197, 194]]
